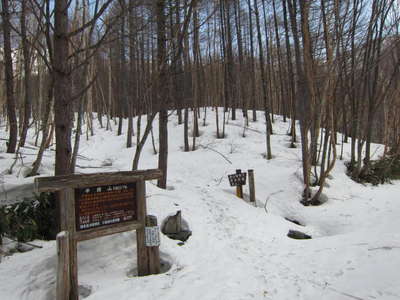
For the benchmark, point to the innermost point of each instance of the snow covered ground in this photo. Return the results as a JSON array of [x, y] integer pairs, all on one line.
[[237, 251]]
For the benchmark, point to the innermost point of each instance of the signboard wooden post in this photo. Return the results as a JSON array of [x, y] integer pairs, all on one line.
[[252, 186], [238, 180], [152, 243], [96, 205]]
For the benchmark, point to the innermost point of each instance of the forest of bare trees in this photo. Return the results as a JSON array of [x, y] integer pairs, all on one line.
[[332, 65]]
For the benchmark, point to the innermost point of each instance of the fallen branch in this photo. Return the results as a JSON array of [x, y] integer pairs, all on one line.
[[329, 287], [91, 167], [247, 128], [25, 243], [206, 147], [30, 147]]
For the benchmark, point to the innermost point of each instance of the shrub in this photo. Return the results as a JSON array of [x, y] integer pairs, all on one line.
[[379, 171], [30, 219]]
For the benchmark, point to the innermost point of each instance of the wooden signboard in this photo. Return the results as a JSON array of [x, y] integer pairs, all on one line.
[[105, 205], [95, 205]]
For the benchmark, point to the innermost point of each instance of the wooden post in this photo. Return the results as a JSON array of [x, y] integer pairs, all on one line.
[[252, 186], [239, 188], [142, 253], [67, 223], [239, 191], [153, 252], [63, 288]]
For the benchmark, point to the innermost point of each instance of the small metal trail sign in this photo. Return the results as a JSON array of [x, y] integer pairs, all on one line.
[[152, 235], [238, 180]]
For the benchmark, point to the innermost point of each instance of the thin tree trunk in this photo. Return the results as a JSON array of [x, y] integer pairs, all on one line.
[[252, 63], [8, 69], [264, 84], [162, 93], [292, 86], [62, 89], [27, 76], [45, 129]]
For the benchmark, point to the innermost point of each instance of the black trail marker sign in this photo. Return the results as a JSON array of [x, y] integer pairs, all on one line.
[[238, 180]]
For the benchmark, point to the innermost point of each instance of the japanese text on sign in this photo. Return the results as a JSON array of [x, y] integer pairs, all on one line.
[[152, 235], [105, 205]]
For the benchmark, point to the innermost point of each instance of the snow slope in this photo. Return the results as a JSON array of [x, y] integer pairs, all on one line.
[[237, 251]]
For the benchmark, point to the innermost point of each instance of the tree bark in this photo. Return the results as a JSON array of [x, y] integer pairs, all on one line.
[[162, 93], [264, 85], [8, 69], [27, 76], [62, 89]]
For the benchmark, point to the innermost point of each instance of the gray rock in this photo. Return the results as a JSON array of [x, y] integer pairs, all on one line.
[[85, 291], [23, 248], [298, 235], [176, 228], [180, 236]]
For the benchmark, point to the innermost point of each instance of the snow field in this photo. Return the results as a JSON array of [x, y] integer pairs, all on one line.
[[237, 251]]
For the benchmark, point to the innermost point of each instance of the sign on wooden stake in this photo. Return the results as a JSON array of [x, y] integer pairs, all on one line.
[[238, 180], [152, 236]]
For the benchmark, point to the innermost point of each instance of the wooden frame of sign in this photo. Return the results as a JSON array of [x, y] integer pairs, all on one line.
[[96, 205]]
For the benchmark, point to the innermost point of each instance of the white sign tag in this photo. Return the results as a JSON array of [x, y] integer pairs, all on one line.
[[152, 235]]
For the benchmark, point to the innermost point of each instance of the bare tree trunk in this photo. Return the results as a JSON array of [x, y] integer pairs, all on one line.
[[132, 74], [241, 99], [186, 129], [162, 93], [252, 63], [292, 92], [283, 100], [62, 89], [45, 129], [302, 98], [110, 91], [231, 84], [121, 80], [142, 141], [27, 76], [8, 69], [264, 85]]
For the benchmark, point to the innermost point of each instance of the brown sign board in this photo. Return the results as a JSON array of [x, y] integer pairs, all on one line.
[[105, 205]]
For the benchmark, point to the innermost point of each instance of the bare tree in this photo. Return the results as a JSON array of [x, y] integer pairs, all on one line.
[[9, 76]]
